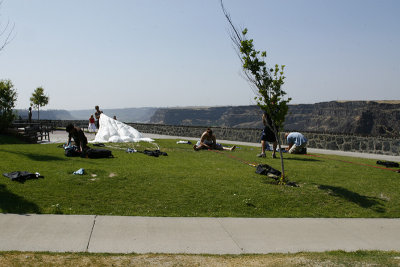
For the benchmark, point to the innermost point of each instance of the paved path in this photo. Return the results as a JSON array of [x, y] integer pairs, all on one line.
[[120, 234], [126, 234]]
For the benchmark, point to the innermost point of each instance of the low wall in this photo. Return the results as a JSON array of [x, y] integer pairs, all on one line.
[[376, 145]]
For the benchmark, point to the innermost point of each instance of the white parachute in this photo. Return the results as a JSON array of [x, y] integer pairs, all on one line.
[[117, 132]]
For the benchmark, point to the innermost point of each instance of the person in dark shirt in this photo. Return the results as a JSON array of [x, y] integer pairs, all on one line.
[[267, 135], [97, 116], [30, 114], [79, 137]]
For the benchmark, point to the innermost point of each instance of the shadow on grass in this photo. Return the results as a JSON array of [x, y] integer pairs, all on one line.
[[372, 203], [12, 203], [6, 139], [36, 157], [302, 159]]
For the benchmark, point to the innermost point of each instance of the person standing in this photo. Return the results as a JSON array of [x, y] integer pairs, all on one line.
[[267, 135], [92, 124], [97, 116], [30, 114]]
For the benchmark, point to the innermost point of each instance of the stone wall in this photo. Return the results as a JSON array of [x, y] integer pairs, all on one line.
[[376, 145]]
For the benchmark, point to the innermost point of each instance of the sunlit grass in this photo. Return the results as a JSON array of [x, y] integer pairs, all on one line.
[[189, 183]]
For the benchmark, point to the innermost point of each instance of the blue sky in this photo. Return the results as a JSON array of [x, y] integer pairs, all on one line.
[[140, 53]]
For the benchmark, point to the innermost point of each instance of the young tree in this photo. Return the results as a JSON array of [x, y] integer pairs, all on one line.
[[266, 82], [8, 97], [39, 99], [5, 33]]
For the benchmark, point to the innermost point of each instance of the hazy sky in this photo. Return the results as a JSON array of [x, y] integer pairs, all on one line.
[[163, 53]]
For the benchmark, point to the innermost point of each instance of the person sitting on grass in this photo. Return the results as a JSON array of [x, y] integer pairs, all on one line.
[[208, 141], [79, 137], [297, 143]]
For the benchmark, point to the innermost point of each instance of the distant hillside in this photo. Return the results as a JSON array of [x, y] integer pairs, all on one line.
[[51, 114], [124, 114], [230, 116], [377, 118]]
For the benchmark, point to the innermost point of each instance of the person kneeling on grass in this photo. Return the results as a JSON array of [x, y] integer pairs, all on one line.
[[208, 141], [297, 143], [79, 137]]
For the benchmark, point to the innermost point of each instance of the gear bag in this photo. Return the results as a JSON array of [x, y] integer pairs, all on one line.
[[99, 153], [265, 169], [72, 151]]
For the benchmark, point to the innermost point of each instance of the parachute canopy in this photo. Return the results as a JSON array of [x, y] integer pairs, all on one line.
[[117, 132]]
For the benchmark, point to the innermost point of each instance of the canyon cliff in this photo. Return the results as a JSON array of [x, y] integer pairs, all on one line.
[[373, 118]]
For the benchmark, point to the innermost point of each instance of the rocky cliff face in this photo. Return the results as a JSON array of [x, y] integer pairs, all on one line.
[[234, 117], [380, 118]]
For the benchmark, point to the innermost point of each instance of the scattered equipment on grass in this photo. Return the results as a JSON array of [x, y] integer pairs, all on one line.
[[22, 176]]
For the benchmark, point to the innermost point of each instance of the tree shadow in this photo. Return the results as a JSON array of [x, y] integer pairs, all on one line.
[[12, 203], [36, 157], [372, 203], [7, 139]]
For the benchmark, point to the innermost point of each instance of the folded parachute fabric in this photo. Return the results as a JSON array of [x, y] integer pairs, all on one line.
[[114, 131], [184, 142], [21, 176]]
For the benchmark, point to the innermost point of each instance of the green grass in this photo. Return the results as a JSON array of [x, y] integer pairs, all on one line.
[[189, 183], [335, 258]]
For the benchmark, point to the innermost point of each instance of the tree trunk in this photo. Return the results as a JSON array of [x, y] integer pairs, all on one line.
[[38, 112], [281, 154], [277, 136]]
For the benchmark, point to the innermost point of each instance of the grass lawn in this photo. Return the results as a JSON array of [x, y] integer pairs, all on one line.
[[335, 258], [189, 183]]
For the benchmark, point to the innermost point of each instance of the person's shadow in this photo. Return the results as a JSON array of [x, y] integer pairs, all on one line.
[[372, 203], [12, 203]]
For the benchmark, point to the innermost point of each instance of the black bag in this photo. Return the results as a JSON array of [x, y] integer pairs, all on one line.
[[389, 164], [154, 153], [99, 153], [265, 169], [21, 176], [72, 151]]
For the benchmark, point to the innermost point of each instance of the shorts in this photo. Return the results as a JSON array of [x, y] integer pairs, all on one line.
[[268, 135], [217, 145]]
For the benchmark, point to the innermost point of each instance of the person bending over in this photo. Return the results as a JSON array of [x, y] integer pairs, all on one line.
[[79, 137], [297, 143], [208, 141]]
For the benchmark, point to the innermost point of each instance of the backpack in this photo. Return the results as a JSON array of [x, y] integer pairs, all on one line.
[[388, 164], [98, 153], [154, 153], [265, 169], [72, 151]]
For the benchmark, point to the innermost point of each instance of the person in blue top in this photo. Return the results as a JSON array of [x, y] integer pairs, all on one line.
[[297, 143]]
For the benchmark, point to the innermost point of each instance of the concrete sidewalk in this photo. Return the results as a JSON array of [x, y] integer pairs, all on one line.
[[119, 234]]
